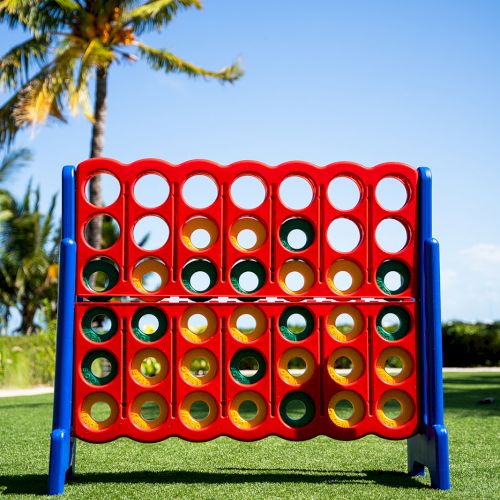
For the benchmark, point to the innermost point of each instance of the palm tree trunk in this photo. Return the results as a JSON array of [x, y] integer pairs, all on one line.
[[96, 149]]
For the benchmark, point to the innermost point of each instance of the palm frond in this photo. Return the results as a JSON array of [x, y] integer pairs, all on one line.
[[16, 159], [37, 16]]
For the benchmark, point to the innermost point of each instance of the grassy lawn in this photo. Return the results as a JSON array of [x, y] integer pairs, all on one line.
[[320, 468]]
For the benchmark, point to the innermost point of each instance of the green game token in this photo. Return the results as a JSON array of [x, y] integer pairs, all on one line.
[[302, 398], [296, 223], [401, 330], [393, 265], [89, 376], [289, 334], [88, 318], [158, 333], [235, 366]]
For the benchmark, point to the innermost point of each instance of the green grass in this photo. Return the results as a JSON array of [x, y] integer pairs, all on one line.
[[320, 468]]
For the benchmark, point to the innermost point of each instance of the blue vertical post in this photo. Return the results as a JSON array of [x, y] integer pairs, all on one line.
[[429, 448], [61, 446]]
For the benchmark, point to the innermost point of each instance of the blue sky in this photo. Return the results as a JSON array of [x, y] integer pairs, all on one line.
[[368, 81]]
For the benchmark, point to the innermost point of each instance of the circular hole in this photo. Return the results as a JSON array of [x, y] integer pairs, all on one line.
[[391, 235], [248, 366], [390, 322], [295, 409], [393, 366], [248, 410], [344, 409], [99, 280], [151, 282], [151, 190], [101, 324], [343, 366], [296, 323], [151, 232], [150, 275], [296, 192], [200, 238], [109, 189], [199, 275], [200, 191], [150, 367], [150, 411], [344, 323], [391, 193], [296, 367], [100, 274], [248, 192], [197, 324], [149, 324], [110, 231], [297, 239], [247, 276], [101, 367], [100, 411], [248, 281], [343, 193], [295, 276], [199, 410], [199, 367], [200, 281], [342, 281], [296, 234], [393, 281], [392, 409], [343, 235], [246, 323], [294, 281], [247, 239]]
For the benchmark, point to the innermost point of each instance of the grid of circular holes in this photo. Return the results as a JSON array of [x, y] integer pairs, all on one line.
[[296, 192], [99, 324], [296, 323], [199, 233], [99, 367], [198, 410], [110, 232], [199, 275], [392, 235], [344, 323], [108, 186], [200, 191], [392, 193], [394, 365], [247, 366], [344, 193], [395, 408], [248, 276], [198, 367], [247, 234], [248, 192], [151, 190], [150, 275], [296, 234], [343, 235], [149, 324], [247, 410], [198, 324], [393, 323], [148, 411], [346, 409], [295, 276], [344, 277], [247, 323], [151, 232], [296, 366], [345, 365], [393, 277], [297, 409], [149, 367], [98, 411], [100, 274]]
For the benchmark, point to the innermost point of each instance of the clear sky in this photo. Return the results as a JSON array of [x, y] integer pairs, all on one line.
[[362, 80]]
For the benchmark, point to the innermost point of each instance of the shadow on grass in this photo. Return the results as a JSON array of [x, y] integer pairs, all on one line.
[[36, 484]]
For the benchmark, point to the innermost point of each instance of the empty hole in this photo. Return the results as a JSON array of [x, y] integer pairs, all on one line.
[[392, 409], [110, 231], [200, 238], [199, 367], [199, 410], [151, 190], [248, 366], [151, 232], [393, 281], [197, 324], [246, 323], [100, 411], [343, 235], [391, 193], [248, 410], [344, 409], [391, 323], [343, 366], [294, 281], [148, 324], [151, 282], [297, 239], [296, 192], [295, 409], [342, 281], [110, 189], [150, 367], [101, 324], [200, 281], [343, 193], [247, 239], [391, 235], [248, 281], [101, 367], [99, 281], [200, 191], [344, 323], [248, 192], [296, 323], [393, 366], [150, 411], [296, 367]]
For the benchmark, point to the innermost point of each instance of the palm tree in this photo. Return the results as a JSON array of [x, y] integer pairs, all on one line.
[[73, 41]]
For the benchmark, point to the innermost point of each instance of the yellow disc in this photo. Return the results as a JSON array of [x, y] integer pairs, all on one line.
[[349, 267], [286, 357], [146, 266], [260, 323], [185, 410], [385, 355], [189, 357], [199, 222], [357, 405], [234, 407], [135, 410], [135, 368], [406, 408], [335, 332], [300, 267], [204, 335], [357, 365], [252, 224], [86, 415]]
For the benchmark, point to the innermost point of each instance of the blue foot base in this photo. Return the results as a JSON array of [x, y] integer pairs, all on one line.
[[431, 452], [59, 460]]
